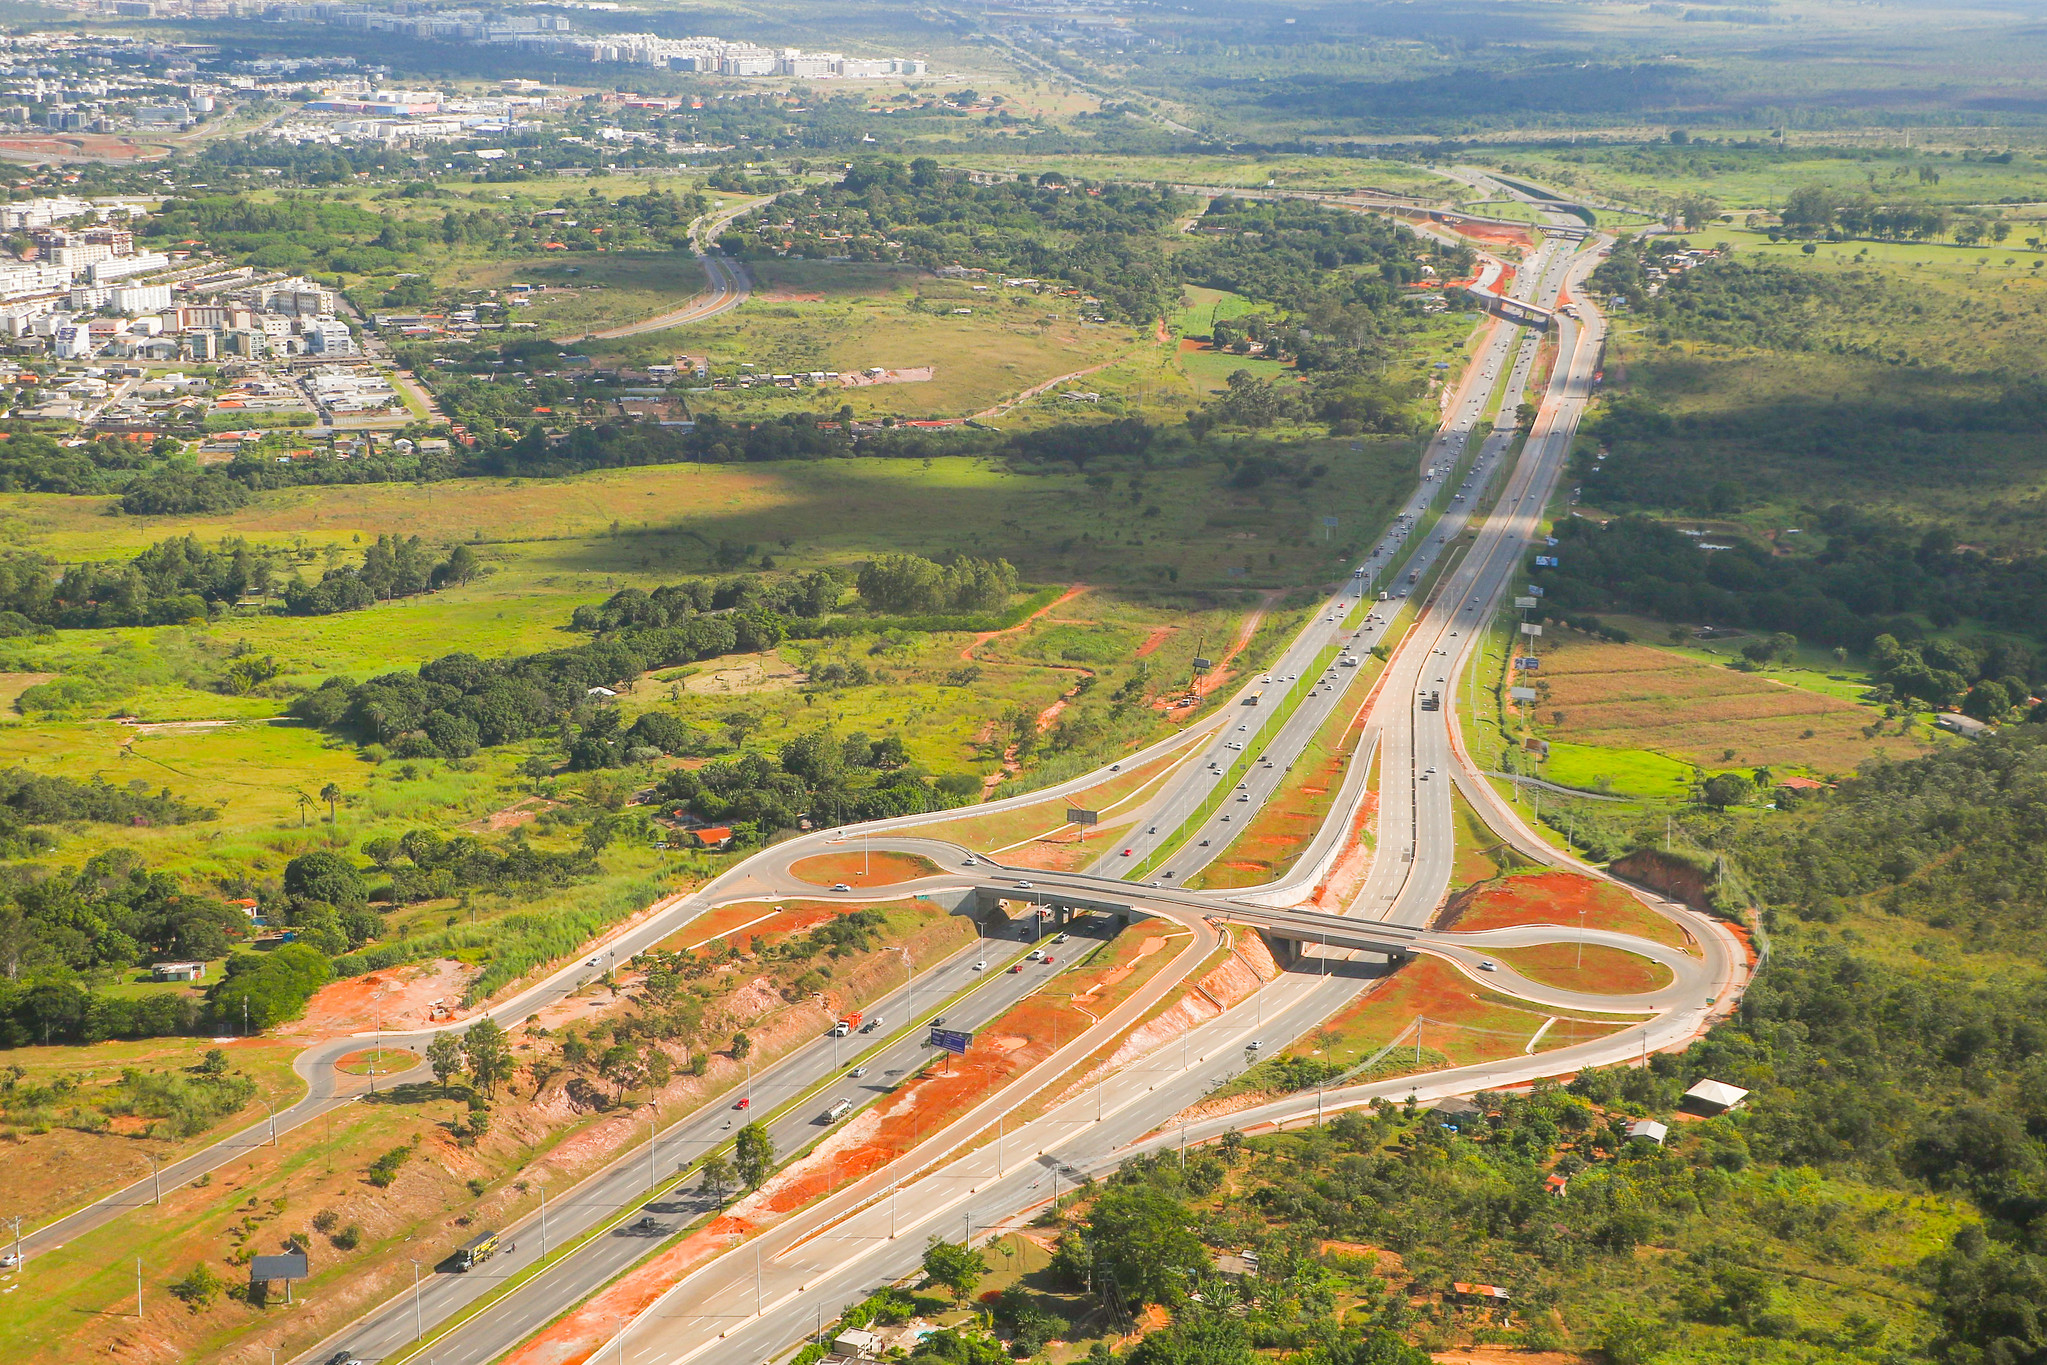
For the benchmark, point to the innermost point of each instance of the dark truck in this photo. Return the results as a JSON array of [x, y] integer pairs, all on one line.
[[1433, 701], [476, 1251]]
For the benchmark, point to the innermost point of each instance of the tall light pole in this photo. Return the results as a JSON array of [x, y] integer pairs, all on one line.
[[156, 1179], [543, 1225], [418, 1330], [17, 1243]]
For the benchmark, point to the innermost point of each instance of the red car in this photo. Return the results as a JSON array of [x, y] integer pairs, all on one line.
[[745, 1102], [1017, 968], [1048, 959]]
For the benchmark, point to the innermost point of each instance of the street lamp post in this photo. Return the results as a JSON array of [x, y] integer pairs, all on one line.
[[418, 1329]]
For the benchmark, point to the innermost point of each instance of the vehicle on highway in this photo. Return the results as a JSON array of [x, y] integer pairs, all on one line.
[[980, 966], [1016, 967], [476, 1250], [1023, 886], [1244, 796], [840, 886], [967, 861], [841, 1029], [1253, 1045], [857, 1072], [1127, 852], [1226, 820], [1488, 965], [744, 1102], [1035, 955], [1204, 843], [645, 1225], [837, 1111], [344, 1358], [1048, 959], [871, 1025]]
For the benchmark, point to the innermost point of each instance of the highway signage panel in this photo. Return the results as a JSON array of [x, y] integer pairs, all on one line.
[[1525, 603], [1203, 665], [1528, 664], [955, 1041], [1521, 693], [1075, 815], [1530, 628]]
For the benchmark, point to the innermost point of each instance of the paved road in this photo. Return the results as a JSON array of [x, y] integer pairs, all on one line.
[[809, 1267], [729, 284]]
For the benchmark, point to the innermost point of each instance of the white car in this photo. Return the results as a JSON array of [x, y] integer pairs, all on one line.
[[840, 886], [980, 966], [1488, 965]]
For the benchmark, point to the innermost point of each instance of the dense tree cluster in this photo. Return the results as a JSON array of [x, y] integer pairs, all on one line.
[[911, 585], [1866, 581], [816, 776], [393, 567], [1102, 239]]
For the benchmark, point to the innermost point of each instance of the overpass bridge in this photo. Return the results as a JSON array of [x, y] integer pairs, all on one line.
[[1054, 902]]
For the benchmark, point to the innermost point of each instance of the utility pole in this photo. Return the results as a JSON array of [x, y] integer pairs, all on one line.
[[418, 1330], [273, 1121], [543, 1225], [156, 1179], [138, 1286]]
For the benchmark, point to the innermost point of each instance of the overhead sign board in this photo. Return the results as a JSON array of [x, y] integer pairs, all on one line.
[[950, 1040]]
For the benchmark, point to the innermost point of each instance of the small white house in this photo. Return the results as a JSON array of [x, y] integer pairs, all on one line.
[[1650, 1129], [1712, 1097]]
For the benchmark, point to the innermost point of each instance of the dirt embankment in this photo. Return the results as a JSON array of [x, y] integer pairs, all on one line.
[[1231, 981], [1676, 877]]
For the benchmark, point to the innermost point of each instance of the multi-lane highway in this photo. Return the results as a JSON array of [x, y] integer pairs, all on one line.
[[806, 1268], [753, 1302]]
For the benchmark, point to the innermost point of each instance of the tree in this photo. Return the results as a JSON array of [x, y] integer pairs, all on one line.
[[198, 1289], [490, 1054], [620, 1064], [742, 1045], [1144, 1240], [331, 794], [1726, 789], [717, 1175], [753, 1155], [954, 1268], [444, 1055], [324, 877]]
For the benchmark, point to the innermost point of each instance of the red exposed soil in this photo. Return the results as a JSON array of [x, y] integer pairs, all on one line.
[[1220, 673], [857, 868], [985, 636], [1560, 898], [400, 998], [1152, 641]]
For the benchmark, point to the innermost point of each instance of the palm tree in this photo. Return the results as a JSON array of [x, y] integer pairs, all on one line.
[[330, 794], [305, 803]]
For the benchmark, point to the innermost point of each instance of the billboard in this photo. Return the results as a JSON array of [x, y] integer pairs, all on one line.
[[1077, 816], [950, 1040]]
